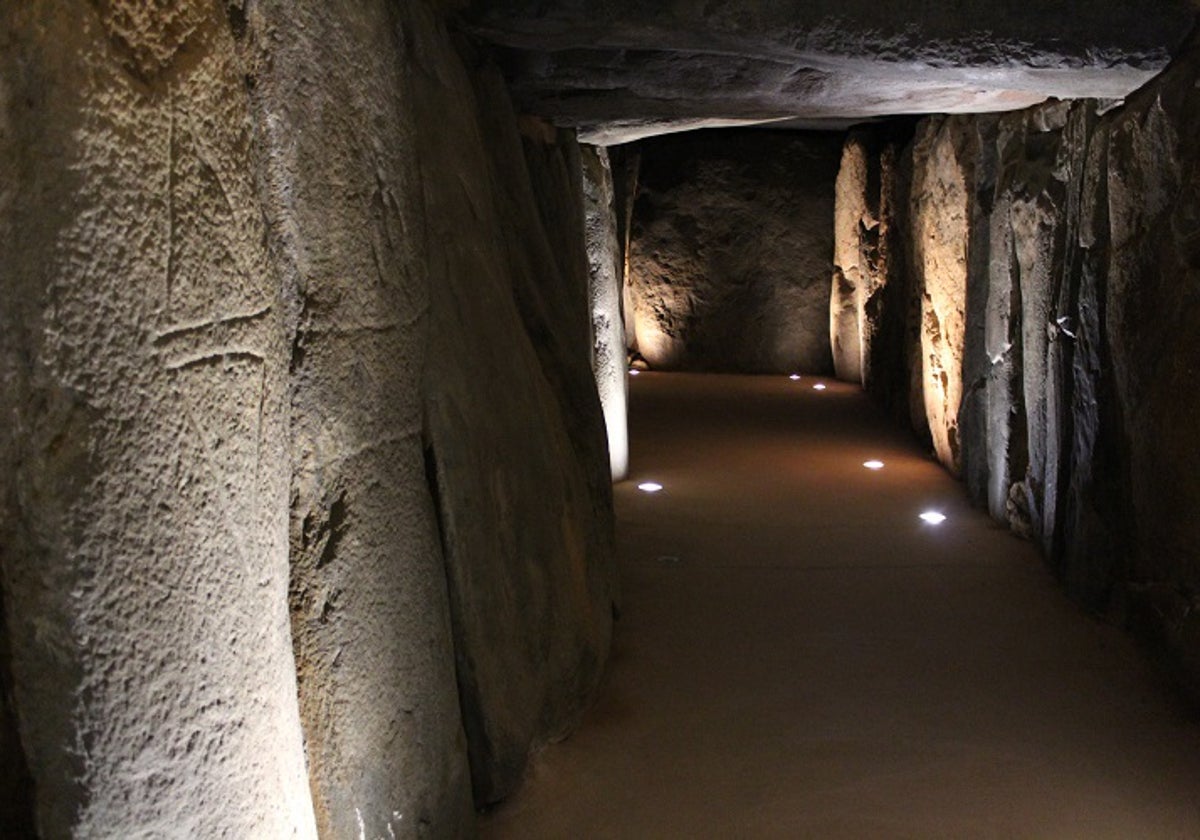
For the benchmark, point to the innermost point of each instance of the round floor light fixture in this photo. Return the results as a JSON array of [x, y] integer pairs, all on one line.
[[873, 464], [650, 487], [933, 517], [820, 386]]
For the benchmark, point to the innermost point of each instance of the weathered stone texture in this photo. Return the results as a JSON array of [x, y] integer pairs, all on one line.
[[1071, 282], [144, 372], [605, 282], [870, 296], [853, 222], [370, 611], [941, 207], [731, 251], [515, 439]]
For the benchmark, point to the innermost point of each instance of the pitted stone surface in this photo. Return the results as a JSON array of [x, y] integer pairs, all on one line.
[[244, 277], [143, 362], [605, 281]]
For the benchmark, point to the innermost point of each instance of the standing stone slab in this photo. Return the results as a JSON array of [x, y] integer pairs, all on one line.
[[851, 215], [143, 363], [604, 294], [370, 611], [1153, 330], [942, 193], [514, 432]]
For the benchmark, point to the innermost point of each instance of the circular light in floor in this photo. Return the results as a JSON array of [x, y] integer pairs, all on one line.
[[873, 465], [634, 372], [820, 386], [650, 487], [795, 377], [933, 517]]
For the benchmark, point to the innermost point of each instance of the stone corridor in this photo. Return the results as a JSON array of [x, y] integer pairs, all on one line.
[[799, 655]]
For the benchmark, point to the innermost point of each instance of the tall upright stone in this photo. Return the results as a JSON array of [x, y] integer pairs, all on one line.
[[370, 610], [942, 195], [143, 364], [605, 272], [850, 215]]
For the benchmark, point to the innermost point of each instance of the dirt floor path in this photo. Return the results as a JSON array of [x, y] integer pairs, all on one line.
[[799, 655]]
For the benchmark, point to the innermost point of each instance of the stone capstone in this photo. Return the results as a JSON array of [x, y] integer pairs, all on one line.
[[730, 252], [620, 70]]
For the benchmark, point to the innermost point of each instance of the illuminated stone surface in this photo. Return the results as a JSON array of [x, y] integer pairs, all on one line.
[[143, 363], [730, 254], [853, 224], [941, 208], [279, 271], [1063, 300], [605, 281], [370, 613], [236, 261]]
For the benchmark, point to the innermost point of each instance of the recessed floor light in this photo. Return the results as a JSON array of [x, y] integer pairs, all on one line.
[[933, 517], [795, 377], [820, 386], [634, 372], [873, 465], [650, 487]]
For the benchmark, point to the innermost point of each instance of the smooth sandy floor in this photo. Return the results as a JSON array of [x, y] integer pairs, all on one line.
[[800, 656]]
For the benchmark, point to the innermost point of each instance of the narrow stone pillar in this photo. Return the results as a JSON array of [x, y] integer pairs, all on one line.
[[940, 236], [845, 302], [143, 445], [604, 297]]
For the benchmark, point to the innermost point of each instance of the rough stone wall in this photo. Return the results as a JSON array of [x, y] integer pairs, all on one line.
[[515, 439], [284, 282], [868, 301], [1152, 319], [144, 459], [730, 253], [605, 285], [1072, 278]]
